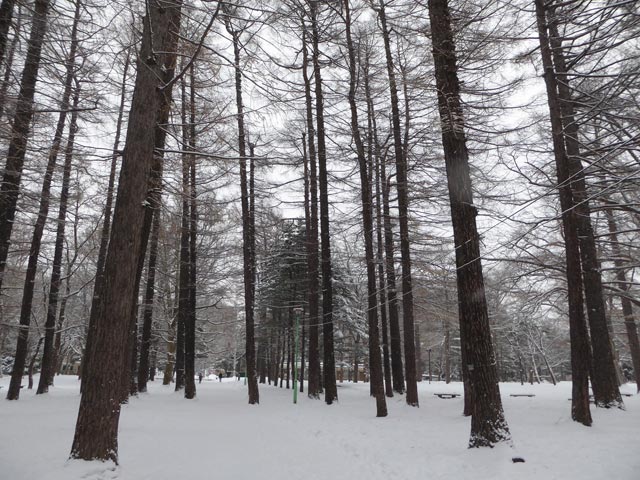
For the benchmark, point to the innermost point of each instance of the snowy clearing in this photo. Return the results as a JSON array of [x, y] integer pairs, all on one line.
[[218, 436]]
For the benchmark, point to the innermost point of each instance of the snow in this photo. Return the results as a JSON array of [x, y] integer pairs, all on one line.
[[219, 436]]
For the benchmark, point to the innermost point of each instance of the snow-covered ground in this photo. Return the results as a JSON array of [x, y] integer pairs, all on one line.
[[218, 436]]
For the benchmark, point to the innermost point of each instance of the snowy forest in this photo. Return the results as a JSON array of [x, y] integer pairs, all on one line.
[[410, 226]]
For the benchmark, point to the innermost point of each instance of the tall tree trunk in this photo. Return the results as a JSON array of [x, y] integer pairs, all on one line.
[[247, 239], [390, 285], [302, 355], [6, 13], [38, 231], [190, 331], [58, 357], [20, 131], [627, 308], [329, 364], [106, 225], [604, 380], [488, 425], [184, 262], [375, 364], [289, 346], [48, 359], [283, 344], [578, 334], [8, 71], [315, 320], [96, 436], [152, 204], [149, 298], [403, 217], [374, 165]]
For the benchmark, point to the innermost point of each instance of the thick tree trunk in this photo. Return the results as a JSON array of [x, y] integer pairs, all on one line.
[[315, 320], [375, 364], [20, 132], [403, 217], [488, 425], [152, 204], [106, 226], [96, 436], [579, 336], [329, 364], [604, 382]]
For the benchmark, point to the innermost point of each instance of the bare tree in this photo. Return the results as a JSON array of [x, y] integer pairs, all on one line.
[[488, 425], [96, 435]]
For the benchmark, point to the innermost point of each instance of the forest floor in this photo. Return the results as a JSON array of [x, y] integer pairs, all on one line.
[[218, 436]]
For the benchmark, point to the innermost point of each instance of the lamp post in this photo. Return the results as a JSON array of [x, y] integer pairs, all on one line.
[[429, 352], [297, 313]]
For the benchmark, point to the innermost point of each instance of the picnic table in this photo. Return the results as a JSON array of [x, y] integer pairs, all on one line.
[[522, 395], [447, 395]]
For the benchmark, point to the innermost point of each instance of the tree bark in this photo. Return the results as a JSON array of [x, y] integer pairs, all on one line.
[[488, 424], [604, 378], [367, 221], [579, 336], [96, 436], [190, 331], [106, 226], [329, 364], [247, 243], [184, 261], [374, 174], [403, 217], [315, 320]]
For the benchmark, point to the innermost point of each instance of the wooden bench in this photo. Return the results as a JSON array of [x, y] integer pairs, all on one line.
[[447, 395], [522, 395]]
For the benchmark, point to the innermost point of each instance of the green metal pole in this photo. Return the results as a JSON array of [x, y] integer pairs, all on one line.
[[298, 312]]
